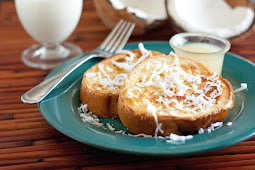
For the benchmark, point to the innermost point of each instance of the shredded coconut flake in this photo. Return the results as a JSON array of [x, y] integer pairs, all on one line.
[[213, 127], [88, 116], [152, 110], [89, 75], [130, 91], [229, 123], [109, 69], [141, 135], [178, 139], [110, 127], [243, 87], [201, 131], [113, 82]]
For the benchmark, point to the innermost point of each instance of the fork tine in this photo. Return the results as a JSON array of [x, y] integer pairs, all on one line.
[[111, 35], [124, 38], [116, 36], [119, 38]]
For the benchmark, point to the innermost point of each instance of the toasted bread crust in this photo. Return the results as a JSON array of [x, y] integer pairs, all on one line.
[[144, 123], [139, 121], [102, 102]]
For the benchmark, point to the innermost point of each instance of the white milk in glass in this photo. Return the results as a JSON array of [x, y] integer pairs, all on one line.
[[49, 21]]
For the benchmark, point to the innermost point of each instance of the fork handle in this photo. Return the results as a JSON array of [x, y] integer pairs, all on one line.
[[39, 92]]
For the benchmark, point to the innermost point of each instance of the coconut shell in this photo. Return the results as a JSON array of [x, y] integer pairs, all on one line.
[[110, 17]]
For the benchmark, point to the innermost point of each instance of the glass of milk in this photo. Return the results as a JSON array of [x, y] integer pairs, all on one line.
[[50, 22], [205, 48]]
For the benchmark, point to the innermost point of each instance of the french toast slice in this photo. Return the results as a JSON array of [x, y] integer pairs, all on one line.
[[101, 83], [170, 94]]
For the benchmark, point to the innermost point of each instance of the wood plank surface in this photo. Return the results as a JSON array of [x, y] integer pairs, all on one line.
[[27, 141]]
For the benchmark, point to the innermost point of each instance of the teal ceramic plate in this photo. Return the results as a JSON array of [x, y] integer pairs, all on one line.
[[60, 110]]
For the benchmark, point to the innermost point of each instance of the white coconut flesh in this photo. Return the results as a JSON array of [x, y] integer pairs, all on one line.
[[210, 16], [149, 10]]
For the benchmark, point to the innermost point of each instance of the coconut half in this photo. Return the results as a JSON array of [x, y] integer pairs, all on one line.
[[210, 16], [149, 10], [147, 14]]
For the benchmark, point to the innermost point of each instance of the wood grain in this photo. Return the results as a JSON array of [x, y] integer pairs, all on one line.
[[27, 141]]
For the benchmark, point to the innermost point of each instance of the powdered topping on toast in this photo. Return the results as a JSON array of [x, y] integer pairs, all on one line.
[[111, 77]]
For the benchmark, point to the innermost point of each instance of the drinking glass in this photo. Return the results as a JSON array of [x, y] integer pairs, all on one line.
[[50, 22]]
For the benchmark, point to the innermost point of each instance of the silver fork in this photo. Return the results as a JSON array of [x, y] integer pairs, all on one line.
[[115, 41]]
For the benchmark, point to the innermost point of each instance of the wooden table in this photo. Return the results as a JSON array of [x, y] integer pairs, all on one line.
[[27, 141]]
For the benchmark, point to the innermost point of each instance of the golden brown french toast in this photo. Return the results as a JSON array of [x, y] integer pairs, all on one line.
[[101, 83], [170, 94]]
